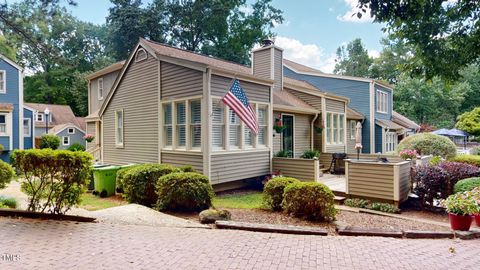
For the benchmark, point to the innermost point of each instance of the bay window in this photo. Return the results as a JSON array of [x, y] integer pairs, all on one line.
[[335, 128], [182, 124]]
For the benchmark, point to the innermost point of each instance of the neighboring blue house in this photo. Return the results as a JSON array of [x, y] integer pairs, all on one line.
[[69, 134], [15, 119], [371, 98]]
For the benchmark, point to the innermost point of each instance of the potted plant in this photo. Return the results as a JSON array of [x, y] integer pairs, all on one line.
[[89, 138], [411, 155], [318, 128], [278, 125], [460, 207], [476, 195]]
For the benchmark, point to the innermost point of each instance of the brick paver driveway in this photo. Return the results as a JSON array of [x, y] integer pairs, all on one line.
[[69, 245]]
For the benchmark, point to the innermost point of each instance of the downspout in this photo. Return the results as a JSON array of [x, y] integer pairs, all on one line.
[[312, 131]]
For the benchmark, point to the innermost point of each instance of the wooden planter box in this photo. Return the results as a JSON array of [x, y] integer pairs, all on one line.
[[303, 169], [383, 181]]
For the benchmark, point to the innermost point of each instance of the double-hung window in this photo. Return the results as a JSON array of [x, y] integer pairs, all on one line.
[[3, 124], [27, 128], [353, 129], [234, 130], [335, 128], [167, 124], [182, 124], [382, 101], [391, 141], [119, 125], [66, 140], [262, 115], [39, 117], [3, 80], [218, 124], [100, 88]]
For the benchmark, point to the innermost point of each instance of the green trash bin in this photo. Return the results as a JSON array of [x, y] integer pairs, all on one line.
[[104, 179]]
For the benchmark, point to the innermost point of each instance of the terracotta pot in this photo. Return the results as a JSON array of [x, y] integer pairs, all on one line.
[[460, 222], [477, 219]]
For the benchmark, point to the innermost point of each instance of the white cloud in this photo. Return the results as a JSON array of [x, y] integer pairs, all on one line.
[[246, 9], [373, 53], [350, 15], [307, 54]]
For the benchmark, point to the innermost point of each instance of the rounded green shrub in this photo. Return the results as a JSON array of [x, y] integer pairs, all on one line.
[[120, 176], [76, 147], [466, 184], [8, 202], [469, 159], [6, 174], [49, 141], [429, 144], [139, 182], [273, 192], [310, 200], [184, 192]]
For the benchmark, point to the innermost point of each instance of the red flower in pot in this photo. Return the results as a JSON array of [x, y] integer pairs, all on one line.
[[278, 125], [461, 207]]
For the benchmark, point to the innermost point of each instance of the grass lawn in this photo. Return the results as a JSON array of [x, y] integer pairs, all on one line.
[[91, 202], [244, 200]]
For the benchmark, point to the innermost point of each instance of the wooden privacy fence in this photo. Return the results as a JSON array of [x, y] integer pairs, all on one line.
[[302, 169]]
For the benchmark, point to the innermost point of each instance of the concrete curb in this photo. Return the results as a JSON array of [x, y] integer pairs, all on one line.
[[352, 231], [257, 227], [29, 214]]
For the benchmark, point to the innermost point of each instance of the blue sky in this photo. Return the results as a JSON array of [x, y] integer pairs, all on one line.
[[311, 33]]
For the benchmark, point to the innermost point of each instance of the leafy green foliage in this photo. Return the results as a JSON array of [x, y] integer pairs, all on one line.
[[466, 184], [139, 182], [384, 207], [310, 200], [6, 174], [353, 59], [1, 148], [435, 160], [463, 203], [284, 153], [8, 202], [470, 122], [53, 179], [469, 159], [184, 192], [429, 144], [49, 141], [311, 154], [356, 202], [76, 147], [273, 192]]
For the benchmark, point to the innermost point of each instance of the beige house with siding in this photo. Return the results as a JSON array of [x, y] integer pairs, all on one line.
[[163, 105]]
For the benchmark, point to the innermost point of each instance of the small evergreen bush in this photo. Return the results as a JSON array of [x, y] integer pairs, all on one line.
[[184, 192], [466, 184], [139, 182], [49, 141], [273, 192], [429, 144], [310, 200], [6, 174], [76, 147]]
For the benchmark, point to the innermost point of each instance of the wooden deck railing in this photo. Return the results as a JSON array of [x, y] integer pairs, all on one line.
[[95, 151]]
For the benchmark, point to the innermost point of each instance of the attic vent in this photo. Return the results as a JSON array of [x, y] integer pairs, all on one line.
[[267, 42], [141, 55]]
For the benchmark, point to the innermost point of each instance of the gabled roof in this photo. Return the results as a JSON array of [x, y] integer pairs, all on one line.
[[404, 121], [299, 67], [388, 124], [59, 128], [61, 114], [113, 67], [11, 62], [352, 114], [283, 100]]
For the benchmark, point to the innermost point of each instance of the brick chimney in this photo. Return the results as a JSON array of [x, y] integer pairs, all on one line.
[[267, 62]]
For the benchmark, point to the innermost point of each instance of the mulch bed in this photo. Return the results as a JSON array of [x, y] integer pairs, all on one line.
[[358, 220]]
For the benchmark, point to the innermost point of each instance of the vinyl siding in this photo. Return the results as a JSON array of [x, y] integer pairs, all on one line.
[[404, 180], [277, 71], [91, 129], [137, 95], [108, 81], [180, 82], [184, 159], [230, 167], [12, 86], [302, 169], [326, 158], [301, 134], [255, 92], [262, 63], [74, 138], [370, 180], [334, 106], [358, 92], [317, 137], [350, 142], [311, 100], [388, 115]]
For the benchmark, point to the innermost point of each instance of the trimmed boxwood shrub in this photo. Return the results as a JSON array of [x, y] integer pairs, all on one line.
[[469, 159], [184, 192], [49, 141], [6, 174], [467, 184], [437, 182], [310, 200], [273, 192], [139, 182], [53, 179], [429, 144]]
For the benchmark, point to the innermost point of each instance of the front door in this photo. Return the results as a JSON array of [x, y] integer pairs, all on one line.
[[288, 136]]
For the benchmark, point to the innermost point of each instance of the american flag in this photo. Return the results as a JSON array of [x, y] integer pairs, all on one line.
[[238, 102]]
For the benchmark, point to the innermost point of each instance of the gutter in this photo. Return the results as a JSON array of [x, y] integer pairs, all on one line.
[[312, 131]]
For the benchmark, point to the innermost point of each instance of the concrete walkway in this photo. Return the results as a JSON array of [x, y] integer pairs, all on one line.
[[35, 244]]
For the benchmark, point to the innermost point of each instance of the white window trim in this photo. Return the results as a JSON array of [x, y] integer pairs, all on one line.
[[4, 83], [293, 135], [188, 144], [227, 148], [331, 128], [29, 134], [73, 130], [100, 86], [117, 143], [8, 126], [68, 140], [141, 57], [387, 142], [353, 129], [381, 101], [42, 115]]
